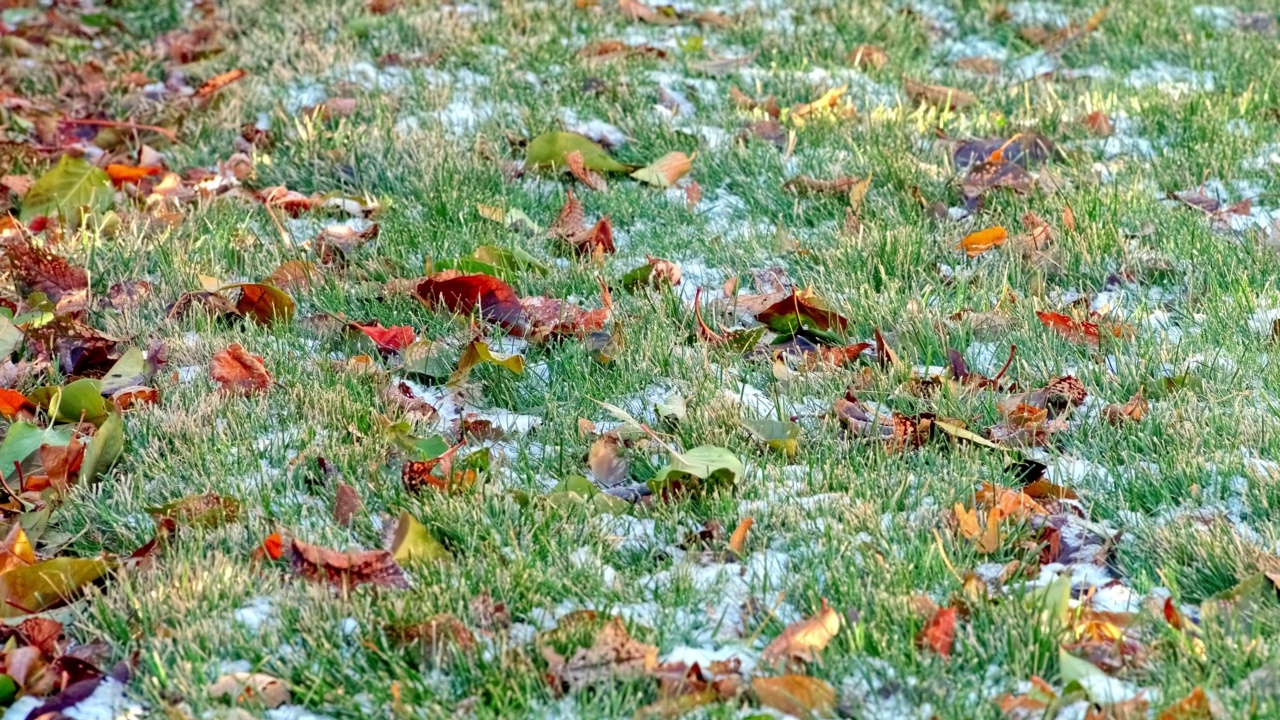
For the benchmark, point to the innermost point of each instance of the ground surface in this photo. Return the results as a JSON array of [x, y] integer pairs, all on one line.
[[1152, 510]]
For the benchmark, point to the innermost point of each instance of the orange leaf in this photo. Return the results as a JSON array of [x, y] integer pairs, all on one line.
[[939, 632], [803, 639], [798, 695], [392, 339], [12, 402], [1194, 706], [121, 174], [217, 82], [974, 244], [238, 371]]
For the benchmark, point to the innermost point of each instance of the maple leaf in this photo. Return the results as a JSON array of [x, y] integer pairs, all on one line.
[[238, 371]]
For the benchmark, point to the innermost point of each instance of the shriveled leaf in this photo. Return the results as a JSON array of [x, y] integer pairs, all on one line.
[[655, 273], [239, 372], [961, 433], [476, 353], [940, 96], [798, 695], [71, 186], [37, 269], [1132, 411], [549, 150], [34, 588], [666, 170], [613, 654], [801, 310], [607, 467], [802, 640], [207, 510], [347, 569], [253, 689]]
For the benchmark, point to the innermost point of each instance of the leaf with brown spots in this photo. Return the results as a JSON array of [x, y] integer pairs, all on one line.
[[347, 569], [239, 372], [596, 241]]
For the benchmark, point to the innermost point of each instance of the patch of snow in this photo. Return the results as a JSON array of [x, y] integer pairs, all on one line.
[[259, 612], [1219, 17], [1037, 13], [1172, 80]]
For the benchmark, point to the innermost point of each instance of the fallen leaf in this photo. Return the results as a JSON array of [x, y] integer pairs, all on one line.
[[294, 274], [656, 273], [578, 168], [940, 96], [801, 310], [1132, 411], [68, 189], [266, 303], [476, 353], [738, 540], [208, 510], [1195, 706], [666, 170], [13, 402], [798, 695], [251, 689], [218, 82], [409, 540], [389, 340], [868, 56], [613, 654], [239, 372], [804, 185], [346, 504], [802, 640], [347, 569], [37, 269], [34, 588], [121, 174], [461, 294], [607, 467], [939, 633], [977, 243], [549, 150]]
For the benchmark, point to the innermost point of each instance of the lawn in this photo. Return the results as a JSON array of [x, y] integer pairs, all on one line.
[[609, 359]]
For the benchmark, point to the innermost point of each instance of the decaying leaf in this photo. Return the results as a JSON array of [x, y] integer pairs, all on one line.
[[942, 97], [1132, 411], [346, 570], [613, 654]]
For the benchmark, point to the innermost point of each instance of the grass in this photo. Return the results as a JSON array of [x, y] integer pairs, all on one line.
[[868, 545]]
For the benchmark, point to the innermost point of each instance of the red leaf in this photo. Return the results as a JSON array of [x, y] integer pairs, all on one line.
[[392, 339], [461, 294], [940, 632]]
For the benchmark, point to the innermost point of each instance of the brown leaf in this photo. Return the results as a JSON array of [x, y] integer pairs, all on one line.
[[346, 504], [940, 96], [613, 654], [607, 468], [251, 689], [37, 269], [768, 130], [16, 551], [336, 242], [239, 372], [578, 168], [217, 82], [569, 221], [799, 695], [345, 570], [805, 185], [550, 318], [595, 241], [442, 637], [294, 274], [868, 57], [127, 295], [1132, 411], [1098, 123], [979, 65], [802, 640]]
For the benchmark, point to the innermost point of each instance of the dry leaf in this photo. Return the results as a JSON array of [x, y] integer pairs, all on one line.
[[976, 243], [579, 170], [802, 640], [239, 372], [940, 96], [613, 654], [868, 56], [346, 504], [344, 570], [940, 632], [738, 540], [1132, 411], [799, 695], [251, 689]]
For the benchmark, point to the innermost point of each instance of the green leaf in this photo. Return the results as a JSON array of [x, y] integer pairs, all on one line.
[[83, 398], [780, 435], [577, 490], [476, 353], [548, 150], [130, 370], [413, 540], [708, 464], [8, 690], [104, 449], [516, 259], [66, 189], [960, 433], [24, 439], [35, 588]]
